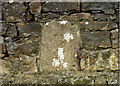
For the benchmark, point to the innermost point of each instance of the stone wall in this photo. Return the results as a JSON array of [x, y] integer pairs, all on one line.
[[39, 39]]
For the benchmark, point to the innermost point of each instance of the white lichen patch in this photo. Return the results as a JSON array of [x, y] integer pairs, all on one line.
[[78, 33], [47, 23], [60, 60], [75, 54], [116, 30], [65, 65], [86, 23], [68, 37], [55, 62], [58, 69], [63, 22], [60, 53], [11, 1]]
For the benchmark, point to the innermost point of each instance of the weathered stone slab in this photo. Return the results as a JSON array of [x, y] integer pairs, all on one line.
[[96, 40], [93, 25], [107, 7], [58, 44], [12, 12], [61, 6], [114, 38]]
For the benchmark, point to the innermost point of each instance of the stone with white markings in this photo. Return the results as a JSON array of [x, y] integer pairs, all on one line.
[[58, 44]]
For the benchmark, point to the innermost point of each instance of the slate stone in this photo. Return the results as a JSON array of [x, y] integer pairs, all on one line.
[[103, 17], [60, 6], [12, 12], [27, 49], [96, 40], [95, 25], [29, 30], [107, 7]]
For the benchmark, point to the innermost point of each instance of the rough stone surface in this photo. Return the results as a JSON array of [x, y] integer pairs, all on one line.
[[53, 39], [96, 40], [60, 6], [12, 12]]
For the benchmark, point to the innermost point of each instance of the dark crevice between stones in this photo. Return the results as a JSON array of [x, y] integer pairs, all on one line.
[[88, 11], [17, 37], [118, 17], [26, 4], [110, 37], [81, 7], [98, 48]]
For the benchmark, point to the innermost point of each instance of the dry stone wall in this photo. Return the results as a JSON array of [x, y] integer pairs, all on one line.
[[41, 38]]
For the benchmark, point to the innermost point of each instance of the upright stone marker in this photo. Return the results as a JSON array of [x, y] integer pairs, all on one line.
[[58, 44]]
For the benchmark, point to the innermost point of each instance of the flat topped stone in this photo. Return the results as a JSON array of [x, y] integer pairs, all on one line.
[[58, 44]]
